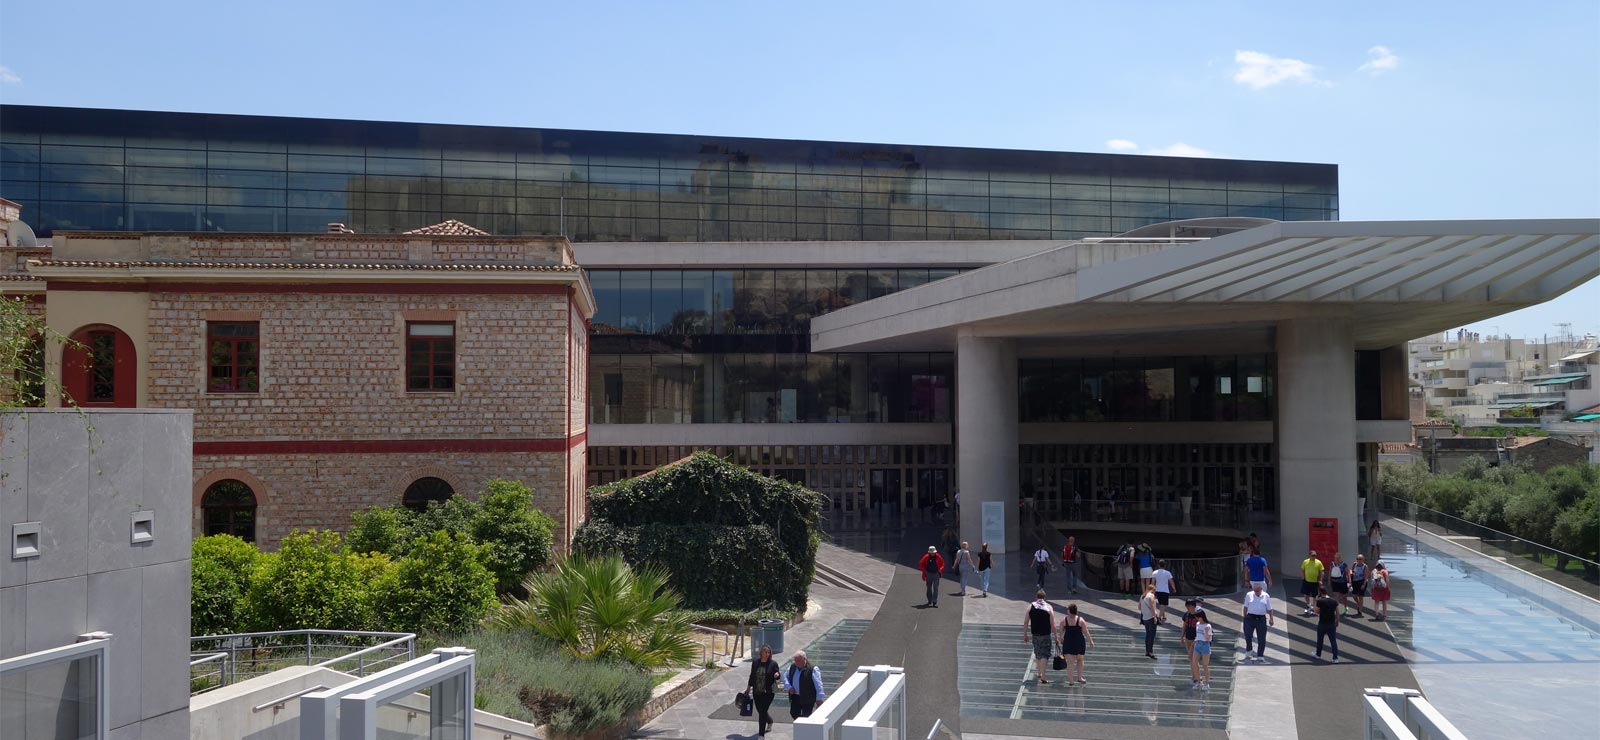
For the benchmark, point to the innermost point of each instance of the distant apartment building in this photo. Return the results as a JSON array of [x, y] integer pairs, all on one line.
[[332, 372]]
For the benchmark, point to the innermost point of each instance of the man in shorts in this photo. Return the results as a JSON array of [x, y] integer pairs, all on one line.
[[1311, 570], [1125, 567], [1165, 585], [1039, 629]]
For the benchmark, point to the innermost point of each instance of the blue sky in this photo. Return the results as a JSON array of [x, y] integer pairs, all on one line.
[[1431, 109]]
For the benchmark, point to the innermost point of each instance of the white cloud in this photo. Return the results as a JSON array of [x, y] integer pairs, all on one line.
[[1259, 71], [1180, 149], [1380, 60], [7, 77]]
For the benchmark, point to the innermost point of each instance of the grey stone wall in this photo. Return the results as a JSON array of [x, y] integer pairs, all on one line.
[[82, 477]]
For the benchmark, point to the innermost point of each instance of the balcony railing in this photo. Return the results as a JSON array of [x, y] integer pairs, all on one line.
[[249, 654]]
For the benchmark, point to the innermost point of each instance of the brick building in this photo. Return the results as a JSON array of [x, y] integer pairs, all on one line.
[[332, 372]]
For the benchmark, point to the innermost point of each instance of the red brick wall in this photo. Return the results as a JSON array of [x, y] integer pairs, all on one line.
[[320, 491], [333, 367]]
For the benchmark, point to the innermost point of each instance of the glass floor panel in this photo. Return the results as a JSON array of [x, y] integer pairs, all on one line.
[[1125, 687], [831, 652], [1493, 661]]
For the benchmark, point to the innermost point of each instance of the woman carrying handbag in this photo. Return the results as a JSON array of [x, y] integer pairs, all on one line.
[[764, 676]]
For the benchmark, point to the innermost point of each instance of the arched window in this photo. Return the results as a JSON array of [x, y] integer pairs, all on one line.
[[229, 507], [424, 491], [100, 368]]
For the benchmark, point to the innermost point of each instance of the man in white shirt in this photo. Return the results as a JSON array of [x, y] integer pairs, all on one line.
[[1041, 564], [1257, 618], [804, 682], [1165, 585]]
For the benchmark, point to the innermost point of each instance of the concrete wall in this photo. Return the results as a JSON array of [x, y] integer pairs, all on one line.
[[81, 477]]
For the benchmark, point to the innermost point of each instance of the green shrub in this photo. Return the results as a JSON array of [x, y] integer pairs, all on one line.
[[599, 608], [515, 538], [312, 582], [219, 576], [382, 529], [439, 586], [731, 616], [575, 696], [728, 537]]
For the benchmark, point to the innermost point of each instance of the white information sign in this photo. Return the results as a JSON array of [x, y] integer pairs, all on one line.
[[994, 525]]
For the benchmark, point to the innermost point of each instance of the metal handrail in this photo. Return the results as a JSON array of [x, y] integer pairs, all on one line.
[[1415, 523], [222, 673], [410, 641], [738, 642], [280, 701], [252, 653], [714, 653]]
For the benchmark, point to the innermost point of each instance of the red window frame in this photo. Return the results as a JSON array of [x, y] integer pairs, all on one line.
[[430, 358], [236, 351]]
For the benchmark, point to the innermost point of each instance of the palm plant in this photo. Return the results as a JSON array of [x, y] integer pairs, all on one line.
[[599, 608]]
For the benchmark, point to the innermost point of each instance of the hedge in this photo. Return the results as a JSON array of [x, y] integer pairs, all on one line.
[[728, 537]]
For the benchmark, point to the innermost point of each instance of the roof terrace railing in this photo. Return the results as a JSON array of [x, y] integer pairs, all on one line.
[[250, 654]]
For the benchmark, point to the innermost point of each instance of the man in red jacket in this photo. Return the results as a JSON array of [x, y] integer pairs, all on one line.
[[932, 567]]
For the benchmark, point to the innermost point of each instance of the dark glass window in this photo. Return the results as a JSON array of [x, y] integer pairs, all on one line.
[[101, 367], [229, 507], [425, 491], [233, 357], [1218, 388], [430, 356]]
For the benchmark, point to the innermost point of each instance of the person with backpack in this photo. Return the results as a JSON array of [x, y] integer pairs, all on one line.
[[932, 567], [1041, 565], [1380, 593], [1358, 584], [1125, 567], [1071, 563], [1339, 582], [804, 682], [964, 567], [1038, 628]]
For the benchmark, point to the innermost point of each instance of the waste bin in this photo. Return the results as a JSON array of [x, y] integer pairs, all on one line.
[[771, 631]]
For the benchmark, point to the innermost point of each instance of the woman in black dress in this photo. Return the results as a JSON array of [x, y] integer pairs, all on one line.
[[764, 674], [985, 563], [1075, 641]]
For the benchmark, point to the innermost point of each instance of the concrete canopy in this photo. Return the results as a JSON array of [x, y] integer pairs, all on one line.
[[1393, 280]]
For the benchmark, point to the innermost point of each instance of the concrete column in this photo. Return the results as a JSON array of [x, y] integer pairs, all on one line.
[[1316, 447], [986, 437]]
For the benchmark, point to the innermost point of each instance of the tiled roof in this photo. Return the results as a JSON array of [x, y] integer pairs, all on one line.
[[449, 228], [1432, 423], [305, 266], [18, 276]]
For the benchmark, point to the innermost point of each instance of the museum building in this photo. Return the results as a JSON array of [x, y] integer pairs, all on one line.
[[805, 308]]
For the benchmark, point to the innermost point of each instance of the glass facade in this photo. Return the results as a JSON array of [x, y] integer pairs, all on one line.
[[1207, 388], [94, 169]]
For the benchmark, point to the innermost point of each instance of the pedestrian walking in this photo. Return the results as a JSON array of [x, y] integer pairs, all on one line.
[[1375, 540], [1072, 562], [1165, 586], [1256, 569], [1339, 582], [932, 567], [804, 682], [1244, 560], [1327, 623], [1202, 649], [1038, 627], [1146, 564], [1257, 618], [1380, 593], [1311, 573], [1191, 618], [1075, 641], [985, 567], [1041, 565], [1148, 609], [1125, 567], [764, 677], [1358, 584], [964, 568]]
